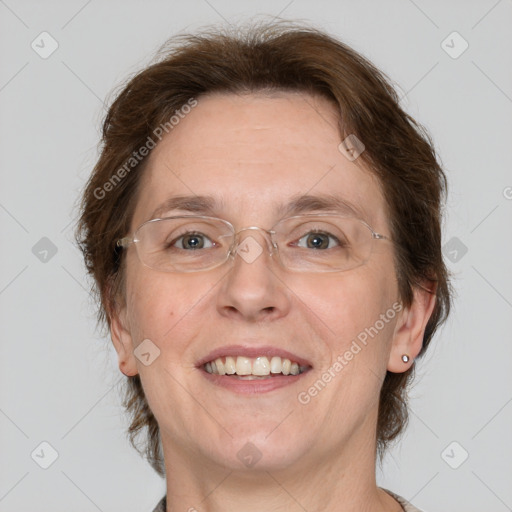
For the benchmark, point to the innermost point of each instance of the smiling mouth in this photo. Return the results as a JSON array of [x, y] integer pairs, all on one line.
[[252, 368]]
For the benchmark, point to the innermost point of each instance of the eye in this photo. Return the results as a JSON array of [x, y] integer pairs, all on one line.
[[191, 241], [318, 240]]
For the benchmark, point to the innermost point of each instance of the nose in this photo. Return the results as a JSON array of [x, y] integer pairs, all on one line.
[[253, 289]]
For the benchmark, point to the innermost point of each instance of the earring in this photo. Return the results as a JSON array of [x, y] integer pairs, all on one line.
[[405, 358]]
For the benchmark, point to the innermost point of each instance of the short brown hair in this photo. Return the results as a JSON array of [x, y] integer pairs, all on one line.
[[276, 56]]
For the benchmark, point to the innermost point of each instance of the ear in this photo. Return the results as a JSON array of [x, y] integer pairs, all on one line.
[[122, 340], [410, 327]]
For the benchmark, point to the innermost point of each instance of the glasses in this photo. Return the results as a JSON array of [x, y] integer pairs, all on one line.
[[304, 243]]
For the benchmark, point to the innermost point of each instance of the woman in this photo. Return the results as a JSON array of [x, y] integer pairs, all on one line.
[[263, 227]]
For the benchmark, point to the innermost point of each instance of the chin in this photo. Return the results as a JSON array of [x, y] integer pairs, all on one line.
[[261, 451]]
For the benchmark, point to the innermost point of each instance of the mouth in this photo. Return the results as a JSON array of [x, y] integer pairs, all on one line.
[[250, 370]]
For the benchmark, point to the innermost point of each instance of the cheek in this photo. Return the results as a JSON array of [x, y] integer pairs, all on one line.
[[167, 309], [150, 306], [356, 307]]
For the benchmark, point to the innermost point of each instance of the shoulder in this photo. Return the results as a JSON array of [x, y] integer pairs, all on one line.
[[408, 507]]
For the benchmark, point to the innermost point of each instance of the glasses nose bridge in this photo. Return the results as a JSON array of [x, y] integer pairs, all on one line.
[[267, 234]]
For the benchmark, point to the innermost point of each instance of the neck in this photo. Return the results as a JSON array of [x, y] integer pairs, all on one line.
[[340, 480]]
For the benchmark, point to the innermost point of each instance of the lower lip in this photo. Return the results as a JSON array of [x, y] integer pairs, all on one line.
[[251, 387]]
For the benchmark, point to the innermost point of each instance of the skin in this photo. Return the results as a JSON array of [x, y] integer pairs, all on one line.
[[252, 153]]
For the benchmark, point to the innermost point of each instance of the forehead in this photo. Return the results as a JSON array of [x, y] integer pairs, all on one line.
[[253, 154]]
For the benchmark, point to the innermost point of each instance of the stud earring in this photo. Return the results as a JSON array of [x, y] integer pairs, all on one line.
[[405, 358]]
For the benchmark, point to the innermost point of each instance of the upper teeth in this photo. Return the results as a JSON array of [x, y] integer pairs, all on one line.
[[241, 365]]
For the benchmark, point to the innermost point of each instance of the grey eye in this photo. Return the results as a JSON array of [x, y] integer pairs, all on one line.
[[192, 241], [318, 241]]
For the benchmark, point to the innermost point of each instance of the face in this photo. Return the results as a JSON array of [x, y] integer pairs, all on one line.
[[253, 155]]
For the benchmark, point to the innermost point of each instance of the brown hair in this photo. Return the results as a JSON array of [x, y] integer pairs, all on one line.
[[276, 56]]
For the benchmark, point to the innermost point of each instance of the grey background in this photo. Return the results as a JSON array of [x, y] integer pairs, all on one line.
[[58, 376]]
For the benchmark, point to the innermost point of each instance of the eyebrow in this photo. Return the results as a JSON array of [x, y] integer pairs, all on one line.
[[209, 206]]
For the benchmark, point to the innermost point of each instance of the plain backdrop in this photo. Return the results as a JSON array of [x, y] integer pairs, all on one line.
[[58, 376]]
